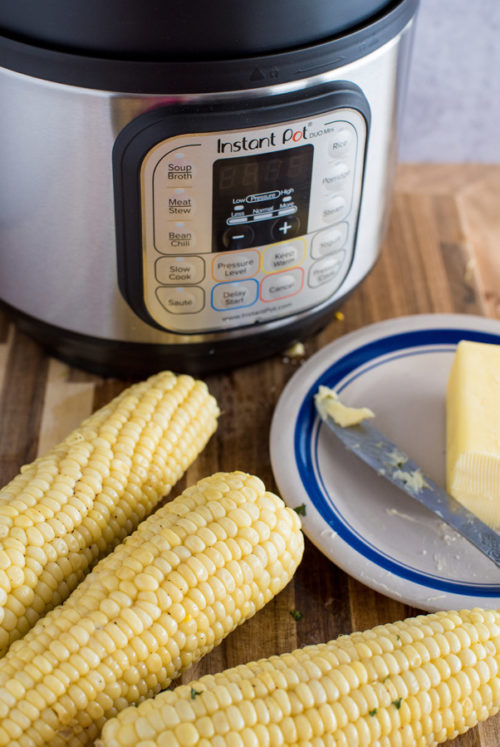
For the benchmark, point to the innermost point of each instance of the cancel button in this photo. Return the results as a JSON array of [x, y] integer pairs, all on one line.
[[282, 285]]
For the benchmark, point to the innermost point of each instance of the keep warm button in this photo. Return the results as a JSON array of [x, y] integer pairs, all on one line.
[[281, 285]]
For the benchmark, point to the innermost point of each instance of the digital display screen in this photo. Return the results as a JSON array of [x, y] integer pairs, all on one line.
[[261, 199]]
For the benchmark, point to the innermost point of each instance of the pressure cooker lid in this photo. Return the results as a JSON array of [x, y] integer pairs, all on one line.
[[181, 29]]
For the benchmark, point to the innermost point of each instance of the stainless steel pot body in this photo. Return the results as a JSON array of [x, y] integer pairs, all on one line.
[[58, 261]]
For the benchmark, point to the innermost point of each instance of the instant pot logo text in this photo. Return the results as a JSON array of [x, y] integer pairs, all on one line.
[[288, 135]]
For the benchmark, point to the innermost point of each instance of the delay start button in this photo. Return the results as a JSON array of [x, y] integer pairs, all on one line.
[[234, 295]]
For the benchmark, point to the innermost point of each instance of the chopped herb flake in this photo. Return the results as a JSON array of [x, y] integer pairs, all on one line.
[[194, 693], [397, 703], [373, 712], [296, 614], [301, 510]]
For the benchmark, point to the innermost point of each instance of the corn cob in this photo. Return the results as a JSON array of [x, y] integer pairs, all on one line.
[[413, 683], [182, 581], [69, 508]]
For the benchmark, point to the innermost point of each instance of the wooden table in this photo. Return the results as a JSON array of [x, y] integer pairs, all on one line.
[[441, 254]]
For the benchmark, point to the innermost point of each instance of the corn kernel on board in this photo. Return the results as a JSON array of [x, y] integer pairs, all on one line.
[[440, 255]]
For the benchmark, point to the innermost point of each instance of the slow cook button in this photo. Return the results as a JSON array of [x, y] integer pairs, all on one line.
[[335, 209], [235, 265], [175, 270], [325, 270], [281, 285], [181, 300], [234, 295], [280, 256], [329, 240]]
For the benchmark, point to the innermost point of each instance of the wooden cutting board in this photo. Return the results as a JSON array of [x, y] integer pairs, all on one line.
[[441, 254]]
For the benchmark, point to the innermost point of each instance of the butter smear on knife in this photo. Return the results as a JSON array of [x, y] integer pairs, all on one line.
[[473, 430], [328, 403]]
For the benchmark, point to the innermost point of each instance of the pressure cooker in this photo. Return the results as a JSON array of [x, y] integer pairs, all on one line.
[[191, 185]]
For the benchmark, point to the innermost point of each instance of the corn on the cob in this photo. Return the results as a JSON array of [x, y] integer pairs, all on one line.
[[189, 575], [413, 683], [69, 508]]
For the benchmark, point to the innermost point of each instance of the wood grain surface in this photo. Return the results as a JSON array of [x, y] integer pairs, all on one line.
[[441, 254]]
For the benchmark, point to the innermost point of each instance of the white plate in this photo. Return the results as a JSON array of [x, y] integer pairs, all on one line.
[[369, 528]]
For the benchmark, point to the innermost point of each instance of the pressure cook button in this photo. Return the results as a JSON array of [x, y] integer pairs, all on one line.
[[329, 240], [285, 228], [341, 141], [325, 270], [281, 256], [176, 270], [234, 295], [181, 300], [336, 177], [335, 209], [235, 265], [239, 237], [282, 285]]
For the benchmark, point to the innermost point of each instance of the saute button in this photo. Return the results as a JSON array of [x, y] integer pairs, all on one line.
[[325, 270], [181, 300], [282, 285], [175, 270], [234, 295], [341, 140], [336, 177], [281, 256], [335, 209], [233, 266], [329, 240]]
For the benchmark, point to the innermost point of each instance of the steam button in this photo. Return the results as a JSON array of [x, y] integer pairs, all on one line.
[[335, 209]]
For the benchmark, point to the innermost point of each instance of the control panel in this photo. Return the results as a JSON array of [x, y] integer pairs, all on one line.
[[246, 226]]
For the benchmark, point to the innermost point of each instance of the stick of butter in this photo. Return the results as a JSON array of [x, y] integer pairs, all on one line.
[[473, 430]]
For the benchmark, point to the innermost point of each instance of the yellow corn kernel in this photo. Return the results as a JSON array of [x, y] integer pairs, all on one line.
[[411, 701], [142, 639], [71, 506]]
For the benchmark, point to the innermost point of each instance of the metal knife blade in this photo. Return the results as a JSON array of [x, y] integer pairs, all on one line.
[[389, 461]]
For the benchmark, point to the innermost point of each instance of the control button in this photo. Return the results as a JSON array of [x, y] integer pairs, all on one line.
[[325, 270], [176, 270], [234, 295], [337, 175], [238, 238], [335, 209], [176, 236], [235, 266], [181, 300], [282, 285], [281, 256], [341, 140], [178, 168], [329, 240], [284, 228], [180, 203]]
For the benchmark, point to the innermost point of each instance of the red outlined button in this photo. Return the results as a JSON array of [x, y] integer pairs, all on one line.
[[281, 285]]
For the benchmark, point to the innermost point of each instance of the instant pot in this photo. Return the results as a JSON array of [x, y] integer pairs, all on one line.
[[192, 185]]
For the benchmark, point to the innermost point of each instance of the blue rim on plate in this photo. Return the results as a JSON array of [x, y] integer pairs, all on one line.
[[338, 375]]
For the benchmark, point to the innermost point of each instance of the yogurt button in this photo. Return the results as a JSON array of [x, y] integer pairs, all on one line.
[[329, 240]]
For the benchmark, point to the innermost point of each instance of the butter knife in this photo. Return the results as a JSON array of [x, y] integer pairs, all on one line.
[[387, 459]]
